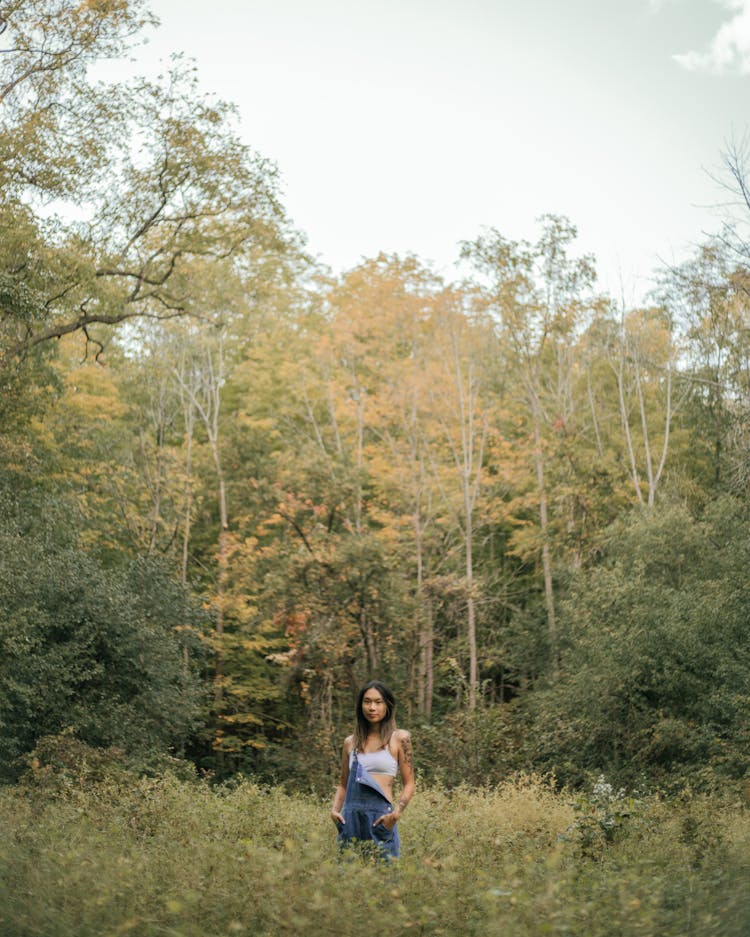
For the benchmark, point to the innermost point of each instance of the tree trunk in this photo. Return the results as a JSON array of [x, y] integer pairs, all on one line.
[[423, 629], [221, 580], [471, 621], [429, 667], [549, 596], [156, 493], [202, 384], [368, 639], [186, 529], [626, 427], [594, 420]]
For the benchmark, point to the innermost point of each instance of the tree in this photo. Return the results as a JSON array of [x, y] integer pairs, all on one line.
[[201, 375], [54, 128], [403, 451], [458, 384], [644, 362], [708, 297], [539, 296], [168, 182]]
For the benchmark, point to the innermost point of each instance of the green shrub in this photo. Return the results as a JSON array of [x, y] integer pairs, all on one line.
[[465, 747], [655, 680], [166, 857], [92, 650], [61, 764]]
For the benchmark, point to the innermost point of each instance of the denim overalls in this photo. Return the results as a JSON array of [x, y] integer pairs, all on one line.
[[363, 804]]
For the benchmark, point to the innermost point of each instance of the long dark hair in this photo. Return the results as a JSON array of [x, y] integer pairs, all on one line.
[[386, 728]]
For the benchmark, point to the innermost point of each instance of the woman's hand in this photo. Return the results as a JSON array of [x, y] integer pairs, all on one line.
[[388, 820], [337, 817]]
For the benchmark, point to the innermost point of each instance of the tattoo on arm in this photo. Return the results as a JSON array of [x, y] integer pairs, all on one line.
[[406, 748]]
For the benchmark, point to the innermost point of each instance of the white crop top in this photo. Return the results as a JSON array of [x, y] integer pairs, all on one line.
[[379, 762]]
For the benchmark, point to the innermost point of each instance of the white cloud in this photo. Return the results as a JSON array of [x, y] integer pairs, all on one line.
[[729, 50]]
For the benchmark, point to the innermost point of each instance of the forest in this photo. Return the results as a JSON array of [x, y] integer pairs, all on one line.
[[234, 486]]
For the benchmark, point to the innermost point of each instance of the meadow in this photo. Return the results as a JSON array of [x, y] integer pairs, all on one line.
[[167, 857]]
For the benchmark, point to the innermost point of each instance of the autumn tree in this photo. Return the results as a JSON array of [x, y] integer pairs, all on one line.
[[540, 296], [459, 404]]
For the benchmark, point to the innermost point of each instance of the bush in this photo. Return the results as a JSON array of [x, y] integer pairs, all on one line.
[[465, 747], [95, 651], [61, 765], [655, 679]]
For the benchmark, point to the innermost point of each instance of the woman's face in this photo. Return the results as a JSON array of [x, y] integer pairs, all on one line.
[[373, 707]]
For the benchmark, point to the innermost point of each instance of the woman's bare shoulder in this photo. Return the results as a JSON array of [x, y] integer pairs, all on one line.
[[348, 743]]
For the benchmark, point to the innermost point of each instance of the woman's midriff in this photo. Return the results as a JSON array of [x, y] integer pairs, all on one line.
[[385, 783]]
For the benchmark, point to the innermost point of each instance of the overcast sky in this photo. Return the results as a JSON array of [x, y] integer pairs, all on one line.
[[408, 125]]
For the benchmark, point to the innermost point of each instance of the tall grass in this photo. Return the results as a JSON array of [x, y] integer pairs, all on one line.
[[181, 859]]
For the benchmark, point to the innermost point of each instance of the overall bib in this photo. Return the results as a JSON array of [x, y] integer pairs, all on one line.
[[363, 804]]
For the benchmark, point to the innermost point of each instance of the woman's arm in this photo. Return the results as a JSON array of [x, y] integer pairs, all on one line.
[[406, 764], [339, 796]]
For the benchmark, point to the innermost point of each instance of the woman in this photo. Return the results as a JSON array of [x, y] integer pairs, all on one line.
[[363, 807]]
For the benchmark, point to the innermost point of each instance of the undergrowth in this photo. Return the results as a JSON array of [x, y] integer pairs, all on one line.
[[179, 858]]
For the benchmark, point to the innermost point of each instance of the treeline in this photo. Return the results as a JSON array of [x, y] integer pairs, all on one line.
[[234, 486]]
